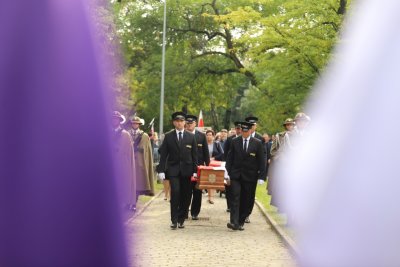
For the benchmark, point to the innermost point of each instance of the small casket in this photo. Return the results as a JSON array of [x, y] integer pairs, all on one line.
[[211, 177]]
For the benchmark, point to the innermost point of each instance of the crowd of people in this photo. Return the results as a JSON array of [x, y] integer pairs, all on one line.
[[250, 159]]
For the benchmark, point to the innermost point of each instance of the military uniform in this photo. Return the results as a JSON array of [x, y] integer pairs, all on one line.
[[143, 159], [279, 146]]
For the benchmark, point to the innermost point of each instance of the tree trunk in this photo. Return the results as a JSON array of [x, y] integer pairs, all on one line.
[[342, 8], [227, 121], [214, 117]]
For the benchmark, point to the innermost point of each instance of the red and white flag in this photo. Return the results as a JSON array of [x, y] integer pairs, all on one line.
[[201, 122]]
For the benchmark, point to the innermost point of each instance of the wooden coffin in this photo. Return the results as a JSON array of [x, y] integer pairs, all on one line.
[[211, 178]]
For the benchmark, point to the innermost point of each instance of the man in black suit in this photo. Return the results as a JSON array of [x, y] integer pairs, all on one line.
[[203, 158], [178, 161], [254, 120], [226, 150], [245, 165]]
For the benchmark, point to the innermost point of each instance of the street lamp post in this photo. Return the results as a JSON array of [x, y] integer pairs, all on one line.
[[163, 70]]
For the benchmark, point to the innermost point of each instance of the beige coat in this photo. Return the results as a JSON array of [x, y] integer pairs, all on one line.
[[125, 167], [144, 163]]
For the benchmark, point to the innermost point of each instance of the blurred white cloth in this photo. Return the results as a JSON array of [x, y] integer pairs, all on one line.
[[161, 175], [343, 186]]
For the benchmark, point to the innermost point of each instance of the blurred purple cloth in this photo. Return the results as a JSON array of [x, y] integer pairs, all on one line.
[[58, 204], [342, 187]]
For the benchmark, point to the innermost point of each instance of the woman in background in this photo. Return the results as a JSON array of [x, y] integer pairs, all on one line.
[[216, 153]]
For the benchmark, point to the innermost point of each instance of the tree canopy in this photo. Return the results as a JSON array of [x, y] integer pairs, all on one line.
[[228, 58]]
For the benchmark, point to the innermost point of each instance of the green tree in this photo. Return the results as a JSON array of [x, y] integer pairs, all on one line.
[[228, 58]]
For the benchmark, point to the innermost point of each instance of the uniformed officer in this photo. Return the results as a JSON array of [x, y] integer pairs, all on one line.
[[178, 161], [302, 122], [203, 158], [245, 165], [238, 132], [254, 120], [282, 143]]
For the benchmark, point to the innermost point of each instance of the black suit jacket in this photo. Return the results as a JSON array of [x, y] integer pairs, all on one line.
[[259, 137], [175, 159], [246, 166], [267, 147], [203, 155], [218, 152], [227, 146]]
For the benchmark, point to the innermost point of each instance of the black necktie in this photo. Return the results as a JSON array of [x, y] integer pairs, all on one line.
[[180, 137], [245, 145]]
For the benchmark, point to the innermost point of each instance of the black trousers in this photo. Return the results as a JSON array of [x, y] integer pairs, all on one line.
[[228, 196], [253, 197], [196, 196], [240, 201], [180, 198]]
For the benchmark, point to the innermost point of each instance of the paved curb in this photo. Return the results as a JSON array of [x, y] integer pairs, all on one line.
[[278, 229], [140, 211]]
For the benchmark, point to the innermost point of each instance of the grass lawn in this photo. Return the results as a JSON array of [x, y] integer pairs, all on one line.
[[144, 199], [265, 199]]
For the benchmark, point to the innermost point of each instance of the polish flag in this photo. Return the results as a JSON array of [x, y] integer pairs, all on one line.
[[201, 122]]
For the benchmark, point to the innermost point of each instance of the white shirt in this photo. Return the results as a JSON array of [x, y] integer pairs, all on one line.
[[177, 133], [210, 149], [247, 144]]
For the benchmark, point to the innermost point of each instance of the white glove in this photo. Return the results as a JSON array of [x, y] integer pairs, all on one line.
[[161, 175], [227, 181], [195, 175], [260, 181]]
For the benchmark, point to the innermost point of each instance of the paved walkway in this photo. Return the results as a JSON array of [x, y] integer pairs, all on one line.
[[206, 242]]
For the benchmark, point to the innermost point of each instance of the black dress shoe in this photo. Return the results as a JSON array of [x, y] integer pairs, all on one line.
[[232, 226], [173, 226], [241, 228], [247, 220], [195, 217], [181, 225]]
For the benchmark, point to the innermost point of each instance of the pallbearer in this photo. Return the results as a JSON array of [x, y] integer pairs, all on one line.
[[253, 121], [238, 132], [245, 165], [178, 162], [203, 158]]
